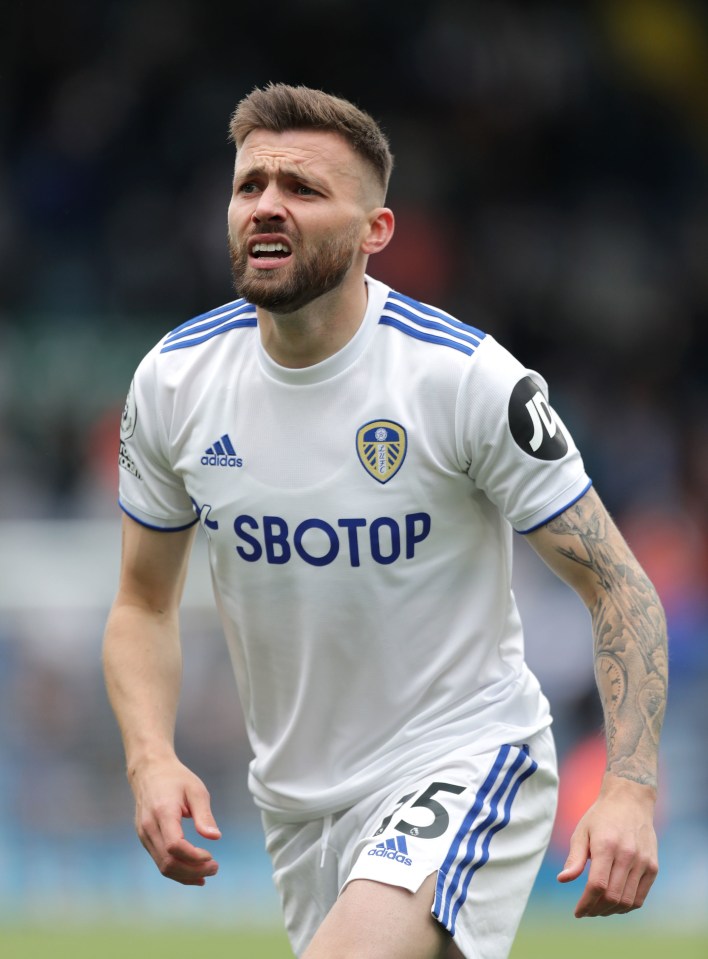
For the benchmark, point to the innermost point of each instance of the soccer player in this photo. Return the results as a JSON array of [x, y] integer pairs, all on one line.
[[359, 461]]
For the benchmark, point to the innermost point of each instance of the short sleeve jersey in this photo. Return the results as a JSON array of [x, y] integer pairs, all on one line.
[[359, 515]]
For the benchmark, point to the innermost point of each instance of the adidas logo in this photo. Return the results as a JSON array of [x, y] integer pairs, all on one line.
[[222, 453], [393, 849]]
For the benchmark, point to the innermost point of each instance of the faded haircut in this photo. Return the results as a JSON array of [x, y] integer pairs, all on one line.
[[279, 107]]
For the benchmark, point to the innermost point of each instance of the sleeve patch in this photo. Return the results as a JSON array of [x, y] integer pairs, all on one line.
[[534, 425], [129, 418]]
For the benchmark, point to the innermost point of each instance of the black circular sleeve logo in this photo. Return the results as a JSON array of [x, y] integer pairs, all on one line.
[[533, 424]]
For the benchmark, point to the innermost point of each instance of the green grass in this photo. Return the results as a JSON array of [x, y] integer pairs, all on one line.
[[127, 943], [606, 939], [578, 942]]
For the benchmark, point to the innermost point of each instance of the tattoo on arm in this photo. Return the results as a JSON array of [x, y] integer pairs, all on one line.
[[629, 631]]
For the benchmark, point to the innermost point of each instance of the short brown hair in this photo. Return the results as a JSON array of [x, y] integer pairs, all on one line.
[[279, 107]]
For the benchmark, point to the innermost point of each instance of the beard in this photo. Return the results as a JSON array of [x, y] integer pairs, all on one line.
[[307, 276]]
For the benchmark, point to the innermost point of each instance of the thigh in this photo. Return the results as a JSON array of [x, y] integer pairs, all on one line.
[[371, 920], [453, 852], [479, 825]]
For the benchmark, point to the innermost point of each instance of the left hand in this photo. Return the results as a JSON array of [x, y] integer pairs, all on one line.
[[617, 835]]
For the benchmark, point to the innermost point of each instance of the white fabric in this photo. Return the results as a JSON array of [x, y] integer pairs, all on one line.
[[364, 585], [494, 814]]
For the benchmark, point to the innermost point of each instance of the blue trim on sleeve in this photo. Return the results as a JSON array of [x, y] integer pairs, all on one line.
[[159, 529], [580, 495]]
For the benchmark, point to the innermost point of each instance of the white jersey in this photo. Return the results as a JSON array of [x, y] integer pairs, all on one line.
[[359, 514]]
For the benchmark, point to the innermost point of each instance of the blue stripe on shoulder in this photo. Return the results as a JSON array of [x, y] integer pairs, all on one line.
[[423, 322], [433, 311], [425, 337], [187, 340], [208, 321], [224, 308], [465, 334]]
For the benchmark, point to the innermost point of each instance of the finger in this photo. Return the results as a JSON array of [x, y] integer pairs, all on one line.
[[169, 838], [630, 897], [577, 858], [175, 846], [175, 856], [631, 875], [200, 811], [182, 861], [645, 884], [621, 883], [188, 874], [595, 887], [185, 851], [612, 904], [639, 882]]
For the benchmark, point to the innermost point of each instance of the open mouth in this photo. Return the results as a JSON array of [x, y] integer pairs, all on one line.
[[270, 251]]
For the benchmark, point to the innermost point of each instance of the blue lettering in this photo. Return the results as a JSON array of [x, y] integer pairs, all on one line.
[[412, 521], [275, 531], [277, 545], [203, 514], [239, 523], [330, 555], [376, 540], [351, 526]]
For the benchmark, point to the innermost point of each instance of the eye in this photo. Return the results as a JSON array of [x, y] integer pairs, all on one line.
[[302, 190], [247, 187]]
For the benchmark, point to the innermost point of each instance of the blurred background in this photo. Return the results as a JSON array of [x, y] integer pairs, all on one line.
[[550, 187]]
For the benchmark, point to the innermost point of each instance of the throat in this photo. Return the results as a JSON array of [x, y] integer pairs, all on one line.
[[311, 335]]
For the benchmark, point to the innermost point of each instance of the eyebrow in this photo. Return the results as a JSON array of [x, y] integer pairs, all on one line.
[[290, 172]]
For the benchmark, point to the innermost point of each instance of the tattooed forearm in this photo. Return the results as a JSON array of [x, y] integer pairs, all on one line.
[[629, 633]]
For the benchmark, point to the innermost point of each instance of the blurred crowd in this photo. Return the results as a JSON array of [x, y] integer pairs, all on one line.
[[550, 187]]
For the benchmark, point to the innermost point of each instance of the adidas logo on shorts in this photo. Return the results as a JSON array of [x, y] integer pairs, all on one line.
[[393, 849]]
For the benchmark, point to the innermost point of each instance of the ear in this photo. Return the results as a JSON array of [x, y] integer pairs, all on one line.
[[381, 227]]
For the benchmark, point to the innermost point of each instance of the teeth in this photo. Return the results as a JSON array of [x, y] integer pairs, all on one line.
[[270, 248]]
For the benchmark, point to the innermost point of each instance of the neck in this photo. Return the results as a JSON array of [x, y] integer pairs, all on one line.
[[317, 331]]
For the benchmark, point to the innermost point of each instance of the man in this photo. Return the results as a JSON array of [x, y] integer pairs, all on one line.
[[358, 461]]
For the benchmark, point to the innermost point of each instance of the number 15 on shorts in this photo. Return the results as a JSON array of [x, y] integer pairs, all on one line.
[[426, 800]]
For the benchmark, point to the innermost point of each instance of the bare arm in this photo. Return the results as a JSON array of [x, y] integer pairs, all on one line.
[[143, 667], [584, 547]]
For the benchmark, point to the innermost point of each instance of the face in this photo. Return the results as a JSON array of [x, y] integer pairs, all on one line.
[[297, 217]]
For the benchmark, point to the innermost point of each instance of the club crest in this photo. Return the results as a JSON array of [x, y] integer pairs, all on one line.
[[381, 446]]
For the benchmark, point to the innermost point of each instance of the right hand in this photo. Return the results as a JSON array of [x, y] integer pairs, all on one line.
[[166, 792]]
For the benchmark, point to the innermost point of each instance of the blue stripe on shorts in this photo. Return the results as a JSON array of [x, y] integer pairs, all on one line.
[[469, 850]]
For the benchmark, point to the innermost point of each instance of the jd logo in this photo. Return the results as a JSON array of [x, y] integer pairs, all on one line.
[[533, 424], [381, 445]]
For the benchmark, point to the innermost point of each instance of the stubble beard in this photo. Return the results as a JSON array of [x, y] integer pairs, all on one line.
[[307, 277]]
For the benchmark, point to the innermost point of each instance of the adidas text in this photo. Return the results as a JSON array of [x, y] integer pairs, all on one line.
[[395, 849], [215, 460], [221, 453], [390, 854]]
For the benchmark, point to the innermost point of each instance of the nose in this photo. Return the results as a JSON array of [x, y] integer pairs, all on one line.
[[270, 205]]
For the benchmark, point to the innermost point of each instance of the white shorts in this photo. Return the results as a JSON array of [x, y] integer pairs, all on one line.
[[482, 822]]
